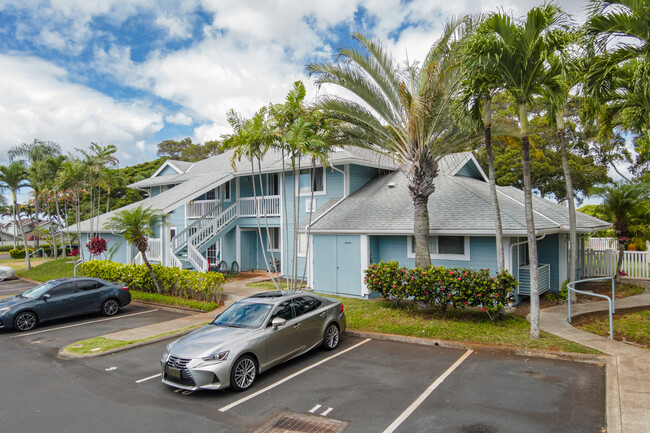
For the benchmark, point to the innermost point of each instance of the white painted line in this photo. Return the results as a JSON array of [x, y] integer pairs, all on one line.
[[187, 392], [110, 368], [179, 390], [409, 410], [329, 409], [81, 324], [291, 376], [148, 378], [315, 408]]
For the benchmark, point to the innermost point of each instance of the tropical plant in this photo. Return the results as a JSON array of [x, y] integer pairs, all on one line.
[[13, 177], [622, 203], [136, 225], [97, 159], [405, 113], [32, 154], [72, 177], [518, 52]]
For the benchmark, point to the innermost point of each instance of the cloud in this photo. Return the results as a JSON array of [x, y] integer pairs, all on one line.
[[176, 27], [39, 102], [179, 119]]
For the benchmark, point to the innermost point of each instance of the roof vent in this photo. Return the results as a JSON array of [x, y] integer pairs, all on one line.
[[391, 184]]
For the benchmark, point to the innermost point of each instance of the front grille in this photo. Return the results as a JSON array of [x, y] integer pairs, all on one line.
[[180, 363]]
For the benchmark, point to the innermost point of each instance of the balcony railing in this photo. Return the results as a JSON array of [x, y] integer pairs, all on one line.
[[198, 208], [266, 206]]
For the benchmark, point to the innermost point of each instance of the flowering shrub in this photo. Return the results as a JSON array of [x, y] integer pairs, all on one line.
[[96, 246], [74, 252], [175, 282], [440, 286]]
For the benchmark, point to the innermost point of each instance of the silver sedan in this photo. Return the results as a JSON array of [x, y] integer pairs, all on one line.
[[251, 336]]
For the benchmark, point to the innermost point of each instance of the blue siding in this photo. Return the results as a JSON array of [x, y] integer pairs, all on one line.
[[360, 175], [116, 242], [325, 264], [167, 171], [548, 252], [229, 252], [482, 252]]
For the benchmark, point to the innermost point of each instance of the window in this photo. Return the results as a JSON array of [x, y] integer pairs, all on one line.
[[213, 255], [307, 183], [274, 239], [62, 290], [444, 247], [273, 182], [305, 304], [226, 191], [210, 195], [86, 285], [284, 311]]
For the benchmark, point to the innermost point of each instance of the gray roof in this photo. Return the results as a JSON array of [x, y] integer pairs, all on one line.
[[459, 205]]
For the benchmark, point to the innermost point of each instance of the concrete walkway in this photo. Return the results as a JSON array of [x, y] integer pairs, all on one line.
[[628, 366], [232, 292]]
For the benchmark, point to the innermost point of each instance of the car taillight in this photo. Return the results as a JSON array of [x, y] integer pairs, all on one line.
[[125, 288], [341, 308]]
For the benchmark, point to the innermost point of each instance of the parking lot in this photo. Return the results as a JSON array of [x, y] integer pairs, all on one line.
[[366, 385]]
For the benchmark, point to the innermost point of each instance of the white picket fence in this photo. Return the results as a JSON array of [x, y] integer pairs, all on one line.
[[602, 244], [636, 264]]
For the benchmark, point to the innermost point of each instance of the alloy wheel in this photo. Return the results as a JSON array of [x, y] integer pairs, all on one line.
[[245, 373], [111, 307], [25, 321], [332, 336]]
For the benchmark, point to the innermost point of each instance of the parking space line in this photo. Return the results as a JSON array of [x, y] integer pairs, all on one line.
[[329, 409], [315, 408], [409, 410], [291, 376], [148, 378], [83, 323]]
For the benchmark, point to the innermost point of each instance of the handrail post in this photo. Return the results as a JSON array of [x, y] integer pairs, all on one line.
[[610, 301]]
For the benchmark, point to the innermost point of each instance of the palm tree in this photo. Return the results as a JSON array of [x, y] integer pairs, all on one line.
[[518, 53], [136, 225], [406, 114], [621, 202], [32, 153], [13, 177], [98, 158], [72, 176]]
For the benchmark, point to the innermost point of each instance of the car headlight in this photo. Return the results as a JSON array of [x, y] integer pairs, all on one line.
[[4, 310], [217, 356], [165, 357]]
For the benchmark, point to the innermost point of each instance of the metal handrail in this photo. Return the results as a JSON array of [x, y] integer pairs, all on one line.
[[75, 266], [611, 301], [42, 254]]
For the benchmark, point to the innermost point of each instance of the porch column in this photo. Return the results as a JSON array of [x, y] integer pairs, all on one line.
[[507, 255], [364, 247], [237, 243]]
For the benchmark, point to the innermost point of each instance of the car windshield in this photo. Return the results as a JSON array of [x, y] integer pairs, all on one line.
[[243, 315], [37, 292]]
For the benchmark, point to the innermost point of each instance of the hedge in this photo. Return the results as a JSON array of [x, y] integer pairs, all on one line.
[[17, 253], [440, 286], [174, 281]]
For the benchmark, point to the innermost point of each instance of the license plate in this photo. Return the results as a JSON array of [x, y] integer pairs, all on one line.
[[174, 373]]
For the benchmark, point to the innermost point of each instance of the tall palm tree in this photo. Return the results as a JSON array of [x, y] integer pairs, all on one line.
[[72, 177], [98, 159], [136, 225], [405, 114], [621, 202], [32, 153], [518, 52], [13, 177]]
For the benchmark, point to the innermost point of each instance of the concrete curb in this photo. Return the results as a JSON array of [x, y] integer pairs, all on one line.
[[567, 356], [63, 354]]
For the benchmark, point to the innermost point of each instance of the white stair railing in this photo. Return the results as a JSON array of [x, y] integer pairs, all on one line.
[[154, 250], [138, 260], [204, 234], [199, 262], [200, 208], [173, 261], [180, 240], [265, 206]]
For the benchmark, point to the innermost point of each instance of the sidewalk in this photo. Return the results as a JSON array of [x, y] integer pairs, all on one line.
[[232, 292], [628, 366]]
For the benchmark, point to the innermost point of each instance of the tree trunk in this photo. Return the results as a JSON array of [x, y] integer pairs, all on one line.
[[530, 225], [487, 121], [55, 253], [573, 235], [78, 218], [37, 236], [58, 215], [421, 231], [619, 263], [276, 281], [151, 274], [28, 264]]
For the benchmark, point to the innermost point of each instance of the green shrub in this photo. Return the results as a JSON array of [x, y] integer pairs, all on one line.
[[440, 286], [5, 248], [17, 253], [640, 244], [174, 281]]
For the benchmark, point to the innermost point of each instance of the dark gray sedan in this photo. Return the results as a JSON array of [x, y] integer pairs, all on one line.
[[64, 297], [251, 336]]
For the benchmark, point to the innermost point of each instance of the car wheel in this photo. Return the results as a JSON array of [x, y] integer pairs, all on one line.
[[332, 337], [25, 321], [110, 307], [243, 373]]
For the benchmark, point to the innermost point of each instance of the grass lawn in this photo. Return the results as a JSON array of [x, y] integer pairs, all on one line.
[[19, 264], [265, 285], [51, 269], [633, 326], [173, 301], [457, 325]]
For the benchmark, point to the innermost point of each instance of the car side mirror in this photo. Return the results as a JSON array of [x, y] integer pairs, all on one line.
[[46, 296], [277, 322], [216, 316]]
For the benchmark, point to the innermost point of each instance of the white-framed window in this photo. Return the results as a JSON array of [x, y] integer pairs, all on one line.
[[273, 182], [274, 239], [443, 247], [308, 183], [226, 191], [210, 195], [302, 245]]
